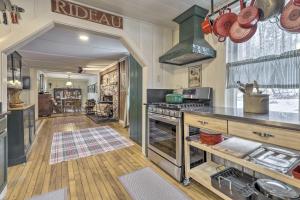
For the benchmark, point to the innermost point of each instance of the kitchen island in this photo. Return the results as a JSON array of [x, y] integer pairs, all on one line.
[[274, 129]]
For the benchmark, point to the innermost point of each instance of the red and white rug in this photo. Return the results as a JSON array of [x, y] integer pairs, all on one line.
[[72, 145]]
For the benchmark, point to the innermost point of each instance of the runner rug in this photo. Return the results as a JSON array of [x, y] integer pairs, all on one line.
[[72, 145], [55, 195], [145, 184]]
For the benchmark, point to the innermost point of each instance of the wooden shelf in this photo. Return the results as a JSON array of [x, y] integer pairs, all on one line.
[[202, 174], [243, 162]]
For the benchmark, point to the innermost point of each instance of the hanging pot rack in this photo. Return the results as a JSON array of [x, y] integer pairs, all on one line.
[[214, 12], [9, 9]]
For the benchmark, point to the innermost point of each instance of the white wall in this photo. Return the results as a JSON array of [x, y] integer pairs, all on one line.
[[94, 80], [30, 97], [34, 98], [213, 71], [145, 41], [153, 42]]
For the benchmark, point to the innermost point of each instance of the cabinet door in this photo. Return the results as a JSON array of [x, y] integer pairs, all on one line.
[[31, 119], [135, 100], [3, 160], [26, 130]]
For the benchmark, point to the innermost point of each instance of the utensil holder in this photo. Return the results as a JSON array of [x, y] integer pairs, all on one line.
[[256, 103]]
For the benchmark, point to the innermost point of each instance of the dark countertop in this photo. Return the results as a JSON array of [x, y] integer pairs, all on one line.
[[25, 107], [274, 119]]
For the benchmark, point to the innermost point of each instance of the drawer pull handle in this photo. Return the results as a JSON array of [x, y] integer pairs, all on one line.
[[203, 122], [265, 135], [268, 135], [257, 133]]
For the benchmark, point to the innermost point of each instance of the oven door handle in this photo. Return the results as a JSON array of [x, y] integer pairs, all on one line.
[[174, 121]]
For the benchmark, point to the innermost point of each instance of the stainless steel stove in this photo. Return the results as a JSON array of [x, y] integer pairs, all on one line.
[[172, 110], [165, 131]]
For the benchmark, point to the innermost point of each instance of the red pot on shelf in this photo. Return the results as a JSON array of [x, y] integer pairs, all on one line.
[[296, 172], [210, 138]]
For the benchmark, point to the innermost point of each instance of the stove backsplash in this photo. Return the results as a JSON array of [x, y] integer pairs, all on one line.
[[157, 95]]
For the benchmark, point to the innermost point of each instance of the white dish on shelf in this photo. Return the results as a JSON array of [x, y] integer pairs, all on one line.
[[237, 147]]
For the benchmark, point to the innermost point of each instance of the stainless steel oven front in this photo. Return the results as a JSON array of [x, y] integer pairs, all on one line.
[[165, 143]]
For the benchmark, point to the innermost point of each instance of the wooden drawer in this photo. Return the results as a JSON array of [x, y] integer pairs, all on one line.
[[214, 124], [265, 134]]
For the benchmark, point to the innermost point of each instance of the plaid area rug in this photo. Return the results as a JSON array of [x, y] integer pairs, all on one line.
[[72, 145]]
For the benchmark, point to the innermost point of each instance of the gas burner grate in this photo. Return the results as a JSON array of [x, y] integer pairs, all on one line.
[[177, 106]]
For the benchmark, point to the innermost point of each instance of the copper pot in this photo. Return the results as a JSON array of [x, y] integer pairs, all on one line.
[[207, 26], [223, 24]]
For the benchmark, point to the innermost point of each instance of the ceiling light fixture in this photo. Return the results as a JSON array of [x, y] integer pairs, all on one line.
[[83, 37], [69, 83]]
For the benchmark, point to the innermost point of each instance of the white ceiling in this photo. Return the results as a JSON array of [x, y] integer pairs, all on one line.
[[72, 75], [61, 50], [156, 11]]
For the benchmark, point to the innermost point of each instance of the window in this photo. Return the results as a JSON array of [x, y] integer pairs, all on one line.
[[281, 100], [272, 58]]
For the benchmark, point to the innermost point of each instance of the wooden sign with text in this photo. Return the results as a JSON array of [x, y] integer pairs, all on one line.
[[86, 13]]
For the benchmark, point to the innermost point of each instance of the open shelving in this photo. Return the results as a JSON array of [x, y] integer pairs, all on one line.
[[202, 174], [280, 137], [243, 162]]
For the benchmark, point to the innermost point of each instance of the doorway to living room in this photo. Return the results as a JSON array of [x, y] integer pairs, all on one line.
[[74, 75]]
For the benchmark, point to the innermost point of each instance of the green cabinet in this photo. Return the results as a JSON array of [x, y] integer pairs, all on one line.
[[135, 100], [3, 153], [21, 134]]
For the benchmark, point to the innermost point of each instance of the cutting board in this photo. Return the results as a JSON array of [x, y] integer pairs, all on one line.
[[237, 147]]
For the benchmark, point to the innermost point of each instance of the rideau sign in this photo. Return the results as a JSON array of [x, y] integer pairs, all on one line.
[[86, 13]]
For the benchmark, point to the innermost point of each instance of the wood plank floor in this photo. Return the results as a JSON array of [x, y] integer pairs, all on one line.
[[90, 178]]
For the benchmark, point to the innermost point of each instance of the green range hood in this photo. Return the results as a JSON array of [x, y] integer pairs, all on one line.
[[192, 46]]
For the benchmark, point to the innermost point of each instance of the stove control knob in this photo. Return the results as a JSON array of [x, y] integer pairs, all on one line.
[[172, 113], [166, 112]]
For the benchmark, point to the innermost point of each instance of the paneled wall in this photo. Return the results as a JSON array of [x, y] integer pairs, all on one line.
[[153, 41], [124, 83], [213, 71]]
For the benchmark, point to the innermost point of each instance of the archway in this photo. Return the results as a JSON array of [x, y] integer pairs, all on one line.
[[26, 34]]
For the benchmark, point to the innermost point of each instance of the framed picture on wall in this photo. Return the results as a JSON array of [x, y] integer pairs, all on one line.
[[195, 76]]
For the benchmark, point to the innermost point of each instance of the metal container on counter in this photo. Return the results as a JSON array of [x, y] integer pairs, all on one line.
[[256, 103]]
